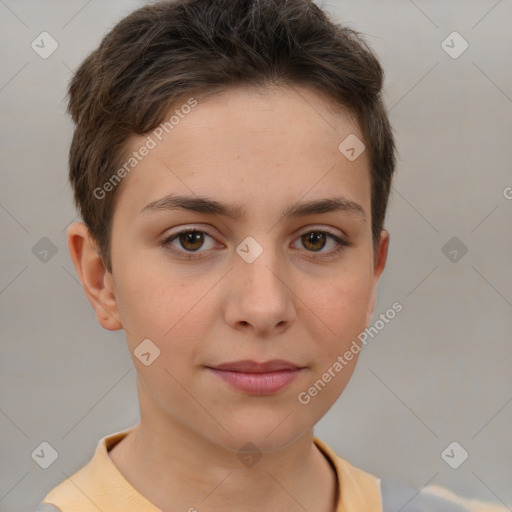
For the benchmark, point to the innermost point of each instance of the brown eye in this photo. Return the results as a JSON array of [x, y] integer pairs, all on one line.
[[314, 241], [188, 242], [191, 241]]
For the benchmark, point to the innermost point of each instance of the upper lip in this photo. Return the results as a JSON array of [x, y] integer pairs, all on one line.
[[248, 366]]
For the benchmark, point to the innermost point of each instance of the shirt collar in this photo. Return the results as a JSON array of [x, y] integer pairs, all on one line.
[[357, 490]]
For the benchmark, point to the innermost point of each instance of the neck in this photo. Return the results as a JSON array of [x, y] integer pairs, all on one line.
[[176, 469]]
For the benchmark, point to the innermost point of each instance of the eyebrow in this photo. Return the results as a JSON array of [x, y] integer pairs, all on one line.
[[235, 211]]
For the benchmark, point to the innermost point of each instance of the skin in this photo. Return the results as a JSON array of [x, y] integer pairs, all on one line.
[[263, 150]]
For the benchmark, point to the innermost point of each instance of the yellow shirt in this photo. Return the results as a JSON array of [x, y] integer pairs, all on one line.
[[100, 486]]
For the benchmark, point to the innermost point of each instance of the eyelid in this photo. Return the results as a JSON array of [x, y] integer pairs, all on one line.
[[325, 228], [341, 241], [303, 231]]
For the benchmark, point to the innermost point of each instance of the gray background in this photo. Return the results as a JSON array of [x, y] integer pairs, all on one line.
[[439, 372]]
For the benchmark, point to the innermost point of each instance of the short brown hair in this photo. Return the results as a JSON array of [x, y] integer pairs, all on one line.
[[164, 51]]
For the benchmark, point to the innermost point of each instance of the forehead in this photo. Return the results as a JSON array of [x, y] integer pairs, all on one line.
[[275, 145]]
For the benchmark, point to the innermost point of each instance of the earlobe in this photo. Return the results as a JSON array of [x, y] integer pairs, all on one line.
[[93, 275], [378, 268]]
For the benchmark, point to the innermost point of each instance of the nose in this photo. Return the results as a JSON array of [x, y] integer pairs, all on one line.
[[260, 296]]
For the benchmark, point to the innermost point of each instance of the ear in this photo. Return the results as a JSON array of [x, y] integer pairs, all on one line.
[[379, 264], [97, 282]]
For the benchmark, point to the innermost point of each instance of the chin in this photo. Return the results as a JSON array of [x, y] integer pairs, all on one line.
[[268, 432]]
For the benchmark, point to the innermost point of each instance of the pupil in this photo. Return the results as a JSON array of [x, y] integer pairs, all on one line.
[[195, 238], [311, 238]]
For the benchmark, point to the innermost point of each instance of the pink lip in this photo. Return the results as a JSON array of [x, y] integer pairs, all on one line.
[[258, 378]]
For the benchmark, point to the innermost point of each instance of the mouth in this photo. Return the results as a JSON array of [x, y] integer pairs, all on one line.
[[265, 378]]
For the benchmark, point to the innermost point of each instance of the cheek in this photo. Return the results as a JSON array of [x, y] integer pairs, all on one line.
[[174, 315], [341, 304], [151, 306]]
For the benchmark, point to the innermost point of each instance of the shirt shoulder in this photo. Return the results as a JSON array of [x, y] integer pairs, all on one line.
[[47, 507], [357, 489], [97, 486], [363, 491], [433, 498]]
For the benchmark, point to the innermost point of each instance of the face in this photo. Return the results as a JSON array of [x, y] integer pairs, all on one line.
[[251, 285]]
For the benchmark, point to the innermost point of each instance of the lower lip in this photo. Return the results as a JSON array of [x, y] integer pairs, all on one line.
[[258, 383]]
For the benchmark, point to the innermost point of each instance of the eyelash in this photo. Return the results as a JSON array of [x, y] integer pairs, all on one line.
[[341, 244]]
